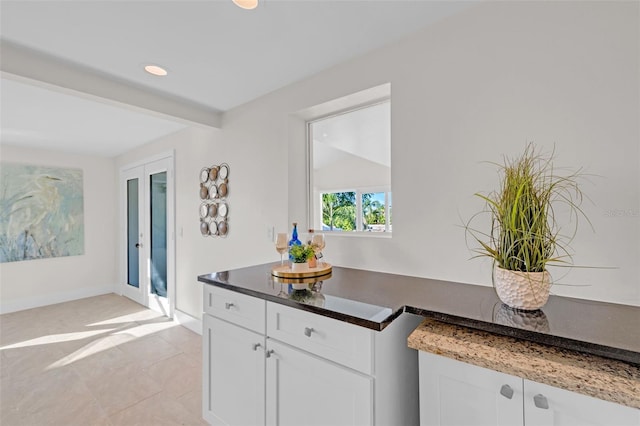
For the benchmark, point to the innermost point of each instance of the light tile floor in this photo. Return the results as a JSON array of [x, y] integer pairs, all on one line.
[[103, 360]]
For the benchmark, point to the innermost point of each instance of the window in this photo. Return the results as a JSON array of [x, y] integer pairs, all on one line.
[[350, 169], [376, 211], [356, 211]]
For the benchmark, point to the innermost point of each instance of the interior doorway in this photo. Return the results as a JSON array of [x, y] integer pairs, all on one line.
[[148, 237]]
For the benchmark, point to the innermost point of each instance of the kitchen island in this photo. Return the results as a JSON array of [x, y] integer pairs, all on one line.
[[603, 335]]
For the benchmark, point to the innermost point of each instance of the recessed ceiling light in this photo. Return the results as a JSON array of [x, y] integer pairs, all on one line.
[[155, 70], [246, 4]]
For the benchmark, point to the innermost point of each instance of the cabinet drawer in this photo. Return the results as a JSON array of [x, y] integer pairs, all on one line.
[[338, 341], [237, 308]]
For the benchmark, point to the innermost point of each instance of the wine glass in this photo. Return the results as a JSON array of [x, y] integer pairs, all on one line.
[[282, 246], [318, 243]]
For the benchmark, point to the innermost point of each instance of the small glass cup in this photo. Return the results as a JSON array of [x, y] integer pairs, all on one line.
[[282, 246]]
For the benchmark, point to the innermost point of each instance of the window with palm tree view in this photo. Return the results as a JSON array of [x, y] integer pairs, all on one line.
[[351, 170]]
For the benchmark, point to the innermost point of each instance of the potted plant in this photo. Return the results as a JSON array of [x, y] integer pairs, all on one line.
[[525, 234], [300, 255]]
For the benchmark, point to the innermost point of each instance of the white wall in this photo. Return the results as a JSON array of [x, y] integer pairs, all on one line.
[[473, 88], [28, 284], [256, 200]]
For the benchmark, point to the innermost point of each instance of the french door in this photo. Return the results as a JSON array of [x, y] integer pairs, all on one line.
[[148, 273]]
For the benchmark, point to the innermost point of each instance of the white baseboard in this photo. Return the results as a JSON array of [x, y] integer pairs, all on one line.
[[52, 298], [186, 320]]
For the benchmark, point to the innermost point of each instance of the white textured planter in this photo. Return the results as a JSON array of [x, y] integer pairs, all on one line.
[[522, 290], [299, 266]]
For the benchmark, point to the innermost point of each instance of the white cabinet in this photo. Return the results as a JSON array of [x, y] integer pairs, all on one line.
[[457, 393], [306, 390], [269, 364], [343, 374], [453, 393], [236, 308], [233, 374], [547, 405], [328, 338]]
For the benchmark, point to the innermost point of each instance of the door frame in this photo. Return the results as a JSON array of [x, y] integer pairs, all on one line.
[[171, 235]]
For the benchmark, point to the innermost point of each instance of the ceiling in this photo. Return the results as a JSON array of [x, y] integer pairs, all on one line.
[[72, 71]]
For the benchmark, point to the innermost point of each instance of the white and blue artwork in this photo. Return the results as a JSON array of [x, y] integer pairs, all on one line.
[[41, 212]]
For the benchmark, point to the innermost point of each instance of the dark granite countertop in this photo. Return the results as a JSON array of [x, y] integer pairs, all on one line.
[[375, 299]]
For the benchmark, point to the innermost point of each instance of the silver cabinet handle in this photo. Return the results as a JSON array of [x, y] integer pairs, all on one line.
[[256, 346], [506, 391], [228, 305], [308, 331], [541, 401], [268, 354]]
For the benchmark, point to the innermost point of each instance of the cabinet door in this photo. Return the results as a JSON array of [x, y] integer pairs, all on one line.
[[303, 390], [548, 405], [233, 374], [454, 393]]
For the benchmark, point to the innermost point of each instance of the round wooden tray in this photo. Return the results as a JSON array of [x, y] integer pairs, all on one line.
[[299, 283], [284, 271]]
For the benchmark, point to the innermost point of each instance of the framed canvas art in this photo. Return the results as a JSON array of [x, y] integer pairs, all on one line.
[[41, 212]]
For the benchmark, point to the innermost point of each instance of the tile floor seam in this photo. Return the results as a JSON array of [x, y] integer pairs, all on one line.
[[133, 404], [157, 385]]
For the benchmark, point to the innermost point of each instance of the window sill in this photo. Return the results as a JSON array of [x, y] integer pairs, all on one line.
[[352, 234]]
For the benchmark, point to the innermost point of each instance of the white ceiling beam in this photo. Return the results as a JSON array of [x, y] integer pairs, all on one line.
[[25, 64]]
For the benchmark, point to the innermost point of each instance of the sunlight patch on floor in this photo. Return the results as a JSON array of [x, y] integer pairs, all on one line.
[[142, 315], [129, 331], [56, 338], [148, 328]]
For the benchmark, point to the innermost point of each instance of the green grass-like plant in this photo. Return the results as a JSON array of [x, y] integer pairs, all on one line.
[[525, 234], [301, 253]]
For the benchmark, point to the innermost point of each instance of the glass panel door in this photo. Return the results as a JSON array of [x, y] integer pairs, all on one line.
[[148, 258], [133, 227], [158, 188], [133, 236], [159, 216]]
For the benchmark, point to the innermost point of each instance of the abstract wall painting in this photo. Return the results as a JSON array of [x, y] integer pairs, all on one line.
[[41, 212]]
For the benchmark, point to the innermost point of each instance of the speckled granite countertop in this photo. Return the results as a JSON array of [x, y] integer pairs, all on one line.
[[602, 378]]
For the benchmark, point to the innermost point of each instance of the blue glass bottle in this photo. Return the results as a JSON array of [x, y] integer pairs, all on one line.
[[294, 241]]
